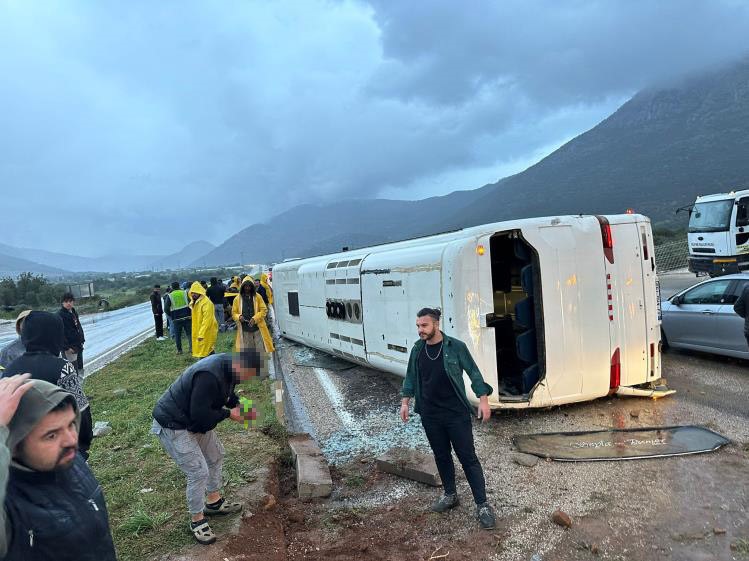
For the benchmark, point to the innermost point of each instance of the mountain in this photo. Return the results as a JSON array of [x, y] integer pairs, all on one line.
[[105, 263], [315, 229], [188, 254], [654, 154], [65, 263], [11, 266], [657, 152]]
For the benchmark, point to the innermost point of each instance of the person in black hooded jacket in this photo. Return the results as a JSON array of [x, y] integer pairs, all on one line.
[[42, 335], [73, 332]]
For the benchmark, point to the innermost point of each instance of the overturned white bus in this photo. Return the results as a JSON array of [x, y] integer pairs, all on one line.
[[554, 310]]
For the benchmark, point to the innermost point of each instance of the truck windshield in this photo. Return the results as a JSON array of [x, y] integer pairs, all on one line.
[[714, 216]]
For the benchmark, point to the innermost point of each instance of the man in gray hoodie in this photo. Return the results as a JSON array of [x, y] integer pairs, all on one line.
[[53, 506]]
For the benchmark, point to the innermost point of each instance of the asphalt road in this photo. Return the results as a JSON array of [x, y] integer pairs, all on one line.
[[104, 331], [671, 283]]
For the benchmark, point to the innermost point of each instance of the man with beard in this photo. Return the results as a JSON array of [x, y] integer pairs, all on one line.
[[434, 377], [53, 506], [42, 335]]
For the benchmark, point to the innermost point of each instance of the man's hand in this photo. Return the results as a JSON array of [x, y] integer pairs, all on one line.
[[11, 392], [484, 411], [404, 409], [237, 415]]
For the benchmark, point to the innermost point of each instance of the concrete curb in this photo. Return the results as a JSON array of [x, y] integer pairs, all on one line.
[[296, 418]]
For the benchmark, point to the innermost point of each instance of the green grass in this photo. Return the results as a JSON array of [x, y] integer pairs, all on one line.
[[130, 459]]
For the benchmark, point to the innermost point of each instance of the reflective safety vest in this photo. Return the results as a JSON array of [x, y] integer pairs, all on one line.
[[179, 299], [179, 306]]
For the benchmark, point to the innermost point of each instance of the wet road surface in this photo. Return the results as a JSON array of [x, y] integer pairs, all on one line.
[[104, 331]]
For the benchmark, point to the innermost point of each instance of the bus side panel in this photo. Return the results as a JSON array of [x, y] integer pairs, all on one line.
[[395, 285], [467, 297]]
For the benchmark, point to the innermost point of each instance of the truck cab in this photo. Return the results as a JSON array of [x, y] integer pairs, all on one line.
[[718, 234]]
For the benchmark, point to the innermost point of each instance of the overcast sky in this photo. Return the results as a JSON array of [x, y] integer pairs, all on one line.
[[141, 126]]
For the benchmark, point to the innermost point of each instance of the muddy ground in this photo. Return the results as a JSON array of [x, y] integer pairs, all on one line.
[[681, 508]]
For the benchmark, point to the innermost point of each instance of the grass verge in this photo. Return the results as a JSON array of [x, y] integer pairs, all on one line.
[[145, 490]]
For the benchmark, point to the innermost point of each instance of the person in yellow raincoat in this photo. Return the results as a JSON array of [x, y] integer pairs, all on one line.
[[204, 324], [249, 311], [268, 289]]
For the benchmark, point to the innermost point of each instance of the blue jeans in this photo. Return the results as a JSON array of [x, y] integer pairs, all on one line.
[[177, 327], [219, 311]]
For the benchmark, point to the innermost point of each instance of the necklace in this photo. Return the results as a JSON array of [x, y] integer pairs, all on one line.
[[426, 352]]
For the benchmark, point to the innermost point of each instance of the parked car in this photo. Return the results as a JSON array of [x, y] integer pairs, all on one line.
[[701, 317]]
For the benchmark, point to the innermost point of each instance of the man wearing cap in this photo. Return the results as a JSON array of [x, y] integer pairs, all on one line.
[[158, 312], [53, 506], [184, 420], [13, 350]]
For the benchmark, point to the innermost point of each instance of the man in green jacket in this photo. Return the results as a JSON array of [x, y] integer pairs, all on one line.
[[435, 379]]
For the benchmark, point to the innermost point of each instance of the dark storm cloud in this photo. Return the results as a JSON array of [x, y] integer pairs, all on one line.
[[143, 126]]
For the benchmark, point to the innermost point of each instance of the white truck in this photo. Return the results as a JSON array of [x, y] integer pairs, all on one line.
[[719, 233], [554, 310]]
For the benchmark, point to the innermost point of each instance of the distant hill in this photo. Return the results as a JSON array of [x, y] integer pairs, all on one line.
[[11, 266], [315, 229], [188, 254], [107, 263], [656, 153]]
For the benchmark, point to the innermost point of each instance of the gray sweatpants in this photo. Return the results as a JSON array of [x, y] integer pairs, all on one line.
[[199, 456]]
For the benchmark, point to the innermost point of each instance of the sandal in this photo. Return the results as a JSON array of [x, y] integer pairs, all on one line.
[[202, 532], [222, 506]]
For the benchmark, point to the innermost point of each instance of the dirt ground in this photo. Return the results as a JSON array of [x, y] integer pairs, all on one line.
[[682, 508]]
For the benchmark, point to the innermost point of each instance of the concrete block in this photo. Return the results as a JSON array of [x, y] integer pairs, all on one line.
[[410, 464], [304, 444], [312, 477], [312, 473]]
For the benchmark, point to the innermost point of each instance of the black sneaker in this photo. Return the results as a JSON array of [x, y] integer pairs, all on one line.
[[445, 503], [485, 514]]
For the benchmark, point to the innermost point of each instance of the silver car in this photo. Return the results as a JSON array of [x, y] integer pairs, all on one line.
[[701, 317]]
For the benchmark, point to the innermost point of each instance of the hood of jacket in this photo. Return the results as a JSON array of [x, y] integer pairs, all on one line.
[[197, 288], [250, 283], [43, 331], [263, 279], [34, 405]]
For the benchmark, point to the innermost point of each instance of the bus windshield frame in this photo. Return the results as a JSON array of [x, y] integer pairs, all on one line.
[[712, 216]]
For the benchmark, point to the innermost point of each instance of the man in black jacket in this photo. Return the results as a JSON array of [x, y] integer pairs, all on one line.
[[215, 294], [73, 332], [42, 335], [184, 419], [53, 506], [158, 312]]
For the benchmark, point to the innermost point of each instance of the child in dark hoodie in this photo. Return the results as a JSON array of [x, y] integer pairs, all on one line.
[[42, 335]]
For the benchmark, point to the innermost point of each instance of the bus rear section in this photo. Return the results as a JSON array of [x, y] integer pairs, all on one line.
[[633, 307]]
